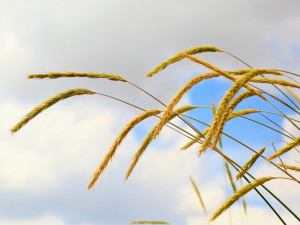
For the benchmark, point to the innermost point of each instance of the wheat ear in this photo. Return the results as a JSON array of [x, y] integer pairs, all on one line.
[[51, 101], [242, 112], [221, 119], [285, 149], [178, 57], [244, 71], [237, 100], [223, 73], [240, 82], [54, 75], [118, 141], [275, 81], [231, 116], [293, 94], [149, 137], [296, 168], [249, 163], [178, 96], [241, 192]]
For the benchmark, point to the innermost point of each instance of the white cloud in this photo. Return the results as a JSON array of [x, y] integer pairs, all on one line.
[[47, 219], [52, 145]]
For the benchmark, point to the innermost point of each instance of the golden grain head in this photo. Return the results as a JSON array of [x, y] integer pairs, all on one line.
[[51, 101], [129, 126], [237, 195], [55, 75], [285, 149], [290, 167], [244, 71], [250, 163], [293, 94], [275, 81], [178, 96], [177, 57], [147, 140]]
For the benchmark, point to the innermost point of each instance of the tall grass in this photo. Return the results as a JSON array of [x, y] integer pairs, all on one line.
[[243, 87]]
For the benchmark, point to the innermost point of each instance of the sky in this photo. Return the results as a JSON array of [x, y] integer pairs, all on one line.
[[46, 166]]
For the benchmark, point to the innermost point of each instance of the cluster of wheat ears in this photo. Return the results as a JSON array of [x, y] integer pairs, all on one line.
[[242, 88]]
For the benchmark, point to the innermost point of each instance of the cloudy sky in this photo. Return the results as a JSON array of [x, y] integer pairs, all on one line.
[[45, 167]]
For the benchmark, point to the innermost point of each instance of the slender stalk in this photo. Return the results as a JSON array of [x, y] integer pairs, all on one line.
[[277, 125], [261, 75], [250, 150], [183, 119], [271, 193], [270, 94], [231, 161]]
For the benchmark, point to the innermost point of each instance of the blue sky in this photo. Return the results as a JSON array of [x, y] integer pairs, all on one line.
[[45, 167]]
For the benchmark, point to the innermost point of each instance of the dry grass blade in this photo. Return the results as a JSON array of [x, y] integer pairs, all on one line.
[[249, 163], [149, 222], [118, 141], [198, 194], [244, 200], [236, 196], [296, 168], [230, 176], [178, 96], [51, 101], [149, 138], [54, 75], [285, 149], [178, 57]]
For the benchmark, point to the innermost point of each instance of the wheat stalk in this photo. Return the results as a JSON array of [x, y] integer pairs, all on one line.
[[241, 192], [178, 96], [275, 81], [242, 112], [249, 163], [237, 100], [51, 101], [149, 138], [244, 71], [54, 75], [118, 141], [232, 116], [296, 168], [222, 72], [179, 56], [191, 142], [293, 94], [240, 82], [285, 149], [198, 194], [230, 176]]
